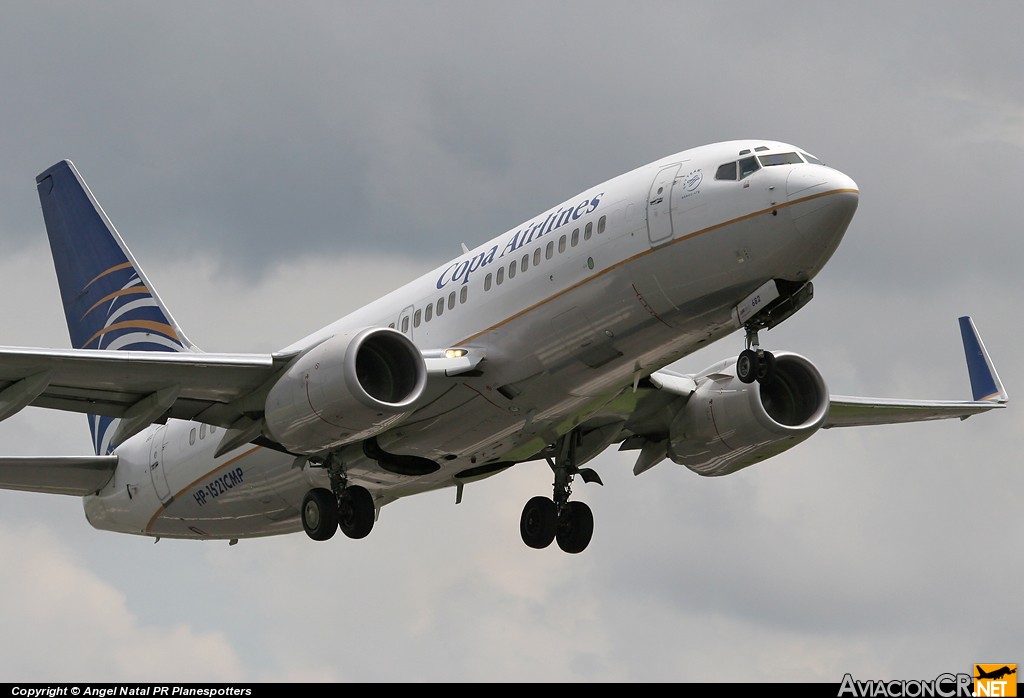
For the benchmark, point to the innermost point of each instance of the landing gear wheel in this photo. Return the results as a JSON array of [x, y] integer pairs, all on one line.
[[766, 368], [747, 366], [575, 527], [539, 522], [320, 513], [356, 512]]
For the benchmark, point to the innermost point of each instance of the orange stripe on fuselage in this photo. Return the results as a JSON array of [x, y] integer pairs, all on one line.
[[647, 252], [160, 510]]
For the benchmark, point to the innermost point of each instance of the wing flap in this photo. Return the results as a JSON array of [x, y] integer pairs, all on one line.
[[74, 475]]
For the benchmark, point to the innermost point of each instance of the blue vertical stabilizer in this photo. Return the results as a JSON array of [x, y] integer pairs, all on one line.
[[108, 302]]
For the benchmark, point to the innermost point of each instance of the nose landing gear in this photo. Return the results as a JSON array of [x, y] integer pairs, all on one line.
[[754, 363]]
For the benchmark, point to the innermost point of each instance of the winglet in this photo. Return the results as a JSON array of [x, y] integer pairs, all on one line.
[[985, 383]]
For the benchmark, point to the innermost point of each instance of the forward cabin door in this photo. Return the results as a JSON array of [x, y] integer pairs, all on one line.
[[659, 206]]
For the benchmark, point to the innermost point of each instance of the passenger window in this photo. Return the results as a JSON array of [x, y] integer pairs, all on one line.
[[536, 257], [391, 325], [451, 300], [212, 428], [726, 171], [202, 431], [601, 223], [405, 324], [748, 166], [575, 240], [428, 312], [524, 262], [588, 231], [512, 270], [192, 437], [500, 276], [463, 294], [561, 244], [487, 282], [549, 251], [416, 318], [440, 306]]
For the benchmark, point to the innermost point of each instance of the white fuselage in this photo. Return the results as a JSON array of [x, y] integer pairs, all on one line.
[[569, 309]]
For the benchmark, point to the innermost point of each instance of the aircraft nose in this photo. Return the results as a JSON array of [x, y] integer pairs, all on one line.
[[822, 200], [814, 179]]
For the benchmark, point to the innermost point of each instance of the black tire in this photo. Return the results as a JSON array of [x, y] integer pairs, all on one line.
[[575, 527], [356, 512], [319, 513], [539, 522], [766, 368], [747, 366]]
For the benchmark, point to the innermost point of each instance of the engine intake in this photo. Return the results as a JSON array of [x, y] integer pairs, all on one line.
[[345, 389], [727, 425]]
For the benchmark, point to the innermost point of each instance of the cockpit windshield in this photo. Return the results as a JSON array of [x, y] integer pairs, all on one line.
[[744, 167], [779, 159]]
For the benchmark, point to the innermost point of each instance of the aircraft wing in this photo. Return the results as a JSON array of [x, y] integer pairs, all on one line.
[[142, 387], [847, 411], [987, 389], [143, 384], [644, 419]]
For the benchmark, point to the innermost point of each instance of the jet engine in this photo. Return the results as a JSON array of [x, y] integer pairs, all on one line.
[[727, 425], [347, 388]]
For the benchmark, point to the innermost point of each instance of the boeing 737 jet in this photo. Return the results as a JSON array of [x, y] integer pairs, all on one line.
[[548, 342]]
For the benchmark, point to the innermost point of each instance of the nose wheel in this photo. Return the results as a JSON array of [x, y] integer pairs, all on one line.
[[754, 363]]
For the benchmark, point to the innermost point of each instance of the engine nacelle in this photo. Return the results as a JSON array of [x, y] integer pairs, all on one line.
[[727, 425], [345, 389]]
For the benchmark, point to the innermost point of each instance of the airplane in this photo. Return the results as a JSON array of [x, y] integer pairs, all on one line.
[[553, 341], [996, 674]]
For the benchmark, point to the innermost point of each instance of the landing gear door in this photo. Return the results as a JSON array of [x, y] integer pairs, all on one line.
[[659, 206], [156, 465]]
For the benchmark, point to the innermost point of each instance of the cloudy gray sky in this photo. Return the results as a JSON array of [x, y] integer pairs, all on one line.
[[274, 166]]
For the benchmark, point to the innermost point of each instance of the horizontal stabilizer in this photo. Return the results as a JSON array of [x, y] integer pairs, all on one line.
[[75, 475]]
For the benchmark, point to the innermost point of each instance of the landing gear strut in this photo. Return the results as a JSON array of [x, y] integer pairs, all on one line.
[[571, 524], [754, 363], [344, 506]]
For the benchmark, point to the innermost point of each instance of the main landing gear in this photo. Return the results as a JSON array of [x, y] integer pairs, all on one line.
[[348, 507], [571, 524], [754, 363]]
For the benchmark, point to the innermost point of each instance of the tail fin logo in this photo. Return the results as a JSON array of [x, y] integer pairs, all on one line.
[[124, 316], [127, 316]]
